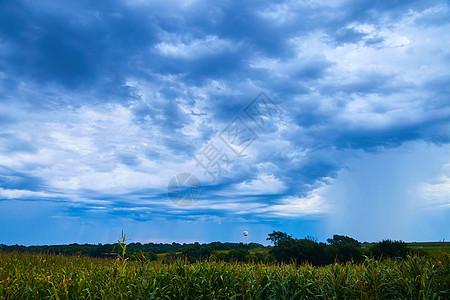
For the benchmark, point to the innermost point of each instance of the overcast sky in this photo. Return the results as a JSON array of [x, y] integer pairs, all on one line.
[[320, 118]]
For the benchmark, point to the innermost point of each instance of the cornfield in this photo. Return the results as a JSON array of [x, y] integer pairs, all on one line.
[[24, 275]]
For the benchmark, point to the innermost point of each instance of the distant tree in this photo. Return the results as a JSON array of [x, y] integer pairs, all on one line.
[[220, 256], [300, 251], [389, 248], [342, 240], [170, 257], [197, 253], [311, 238], [251, 258], [340, 248], [343, 248], [278, 237], [237, 255], [311, 251], [200, 251]]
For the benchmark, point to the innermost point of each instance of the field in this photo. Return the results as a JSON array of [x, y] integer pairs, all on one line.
[[26, 275]]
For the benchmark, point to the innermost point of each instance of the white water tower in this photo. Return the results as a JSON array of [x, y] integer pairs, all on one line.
[[245, 233]]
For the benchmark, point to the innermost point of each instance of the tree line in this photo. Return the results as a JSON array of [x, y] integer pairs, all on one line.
[[340, 248], [285, 249], [108, 250]]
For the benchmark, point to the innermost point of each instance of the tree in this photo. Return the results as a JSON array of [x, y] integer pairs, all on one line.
[[237, 255], [342, 240], [300, 251], [343, 248], [389, 248], [197, 253], [278, 237]]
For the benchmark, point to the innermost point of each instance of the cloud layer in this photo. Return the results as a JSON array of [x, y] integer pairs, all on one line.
[[102, 104]]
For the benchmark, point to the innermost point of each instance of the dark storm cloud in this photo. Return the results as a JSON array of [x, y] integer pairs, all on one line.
[[76, 46], [11, 179], [185, 71]]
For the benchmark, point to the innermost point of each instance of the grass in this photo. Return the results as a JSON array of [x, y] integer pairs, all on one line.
[[24, 275]]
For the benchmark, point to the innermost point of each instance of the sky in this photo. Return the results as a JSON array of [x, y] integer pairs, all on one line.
[[196, 120]]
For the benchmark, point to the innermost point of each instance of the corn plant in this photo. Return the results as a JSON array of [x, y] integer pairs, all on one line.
[[25, 275], [121, 259]]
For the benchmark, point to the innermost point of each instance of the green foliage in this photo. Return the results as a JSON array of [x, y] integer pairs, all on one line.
[[170, 257], [340, 249], [237, 255], [144, 256], [277, 237], [300, 251], [339, 240], [343, 248], [49, 276], [121, 259], [196, 253], [112, 250], [240, 255], [389, 248], [418, 252]]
